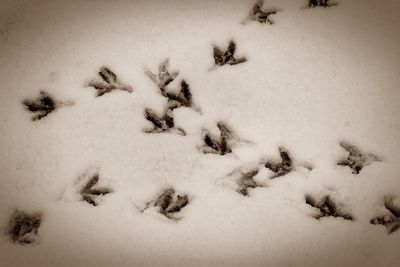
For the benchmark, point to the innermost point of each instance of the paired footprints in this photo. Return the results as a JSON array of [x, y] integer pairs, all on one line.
[[245, 179]]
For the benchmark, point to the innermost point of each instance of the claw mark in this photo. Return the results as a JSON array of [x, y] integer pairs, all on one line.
[[247, 181], [164, 123], [221, 146], [227, 57], [23, 228], [256, 13], [109, 83], [356, 160], [89, 194], [164, 77], [322, 3], [392, 221], [327, 207], [283, 167]]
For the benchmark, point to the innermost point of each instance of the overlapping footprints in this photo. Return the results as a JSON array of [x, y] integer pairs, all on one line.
[[182, 98], [23, 227]]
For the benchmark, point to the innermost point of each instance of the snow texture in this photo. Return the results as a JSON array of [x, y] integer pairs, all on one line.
[[132, 136]]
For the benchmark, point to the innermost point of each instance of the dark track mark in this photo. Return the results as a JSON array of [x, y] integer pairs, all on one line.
[[90, 194], [164, 77], [327, 207], [262, 16], [356, 160], [392, 221], [321, 3], [221, 146], [182, 99], [23, 227], [247, 181], [109, 83], [283, 167], [164, 123], [227, 57], [169, 203], [41, 106]]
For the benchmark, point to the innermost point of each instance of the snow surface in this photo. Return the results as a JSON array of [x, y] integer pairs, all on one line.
[[314, 78]]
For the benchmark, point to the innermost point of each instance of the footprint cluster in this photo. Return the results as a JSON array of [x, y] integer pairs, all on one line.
[[23, 227]]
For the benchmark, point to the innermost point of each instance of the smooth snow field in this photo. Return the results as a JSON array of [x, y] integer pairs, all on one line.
[[200, 133]]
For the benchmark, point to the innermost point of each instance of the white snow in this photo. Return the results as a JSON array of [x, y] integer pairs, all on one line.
[[314, 78]]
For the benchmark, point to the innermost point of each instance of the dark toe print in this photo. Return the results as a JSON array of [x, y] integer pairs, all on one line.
[[169, 203], [222, 145], [23, 227], [228, 56], [164, 77], [262, 16], [90, 194], [41, 106], [321, 3], [163, 123], [355, 159], [181, 99], [246, 181], [390, 221], [283, 167], [326, 207], [108, 83]]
